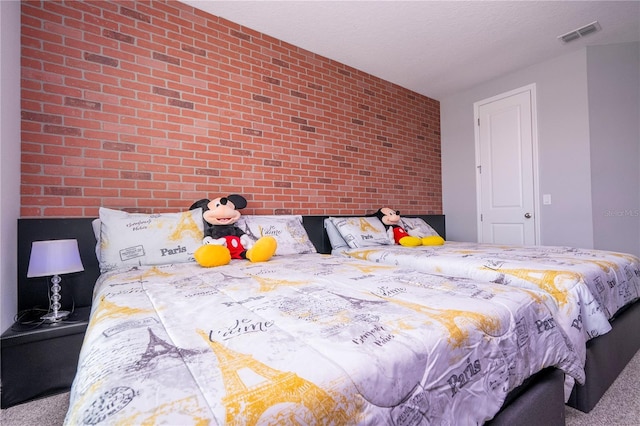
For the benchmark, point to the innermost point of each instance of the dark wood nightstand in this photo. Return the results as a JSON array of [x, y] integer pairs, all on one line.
[[41, 361]]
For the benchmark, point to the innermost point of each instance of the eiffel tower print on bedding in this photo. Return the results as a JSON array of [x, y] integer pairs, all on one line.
[[308, 339], [588, 286]]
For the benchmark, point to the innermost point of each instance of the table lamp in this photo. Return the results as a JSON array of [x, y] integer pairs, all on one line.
[[54, 257]]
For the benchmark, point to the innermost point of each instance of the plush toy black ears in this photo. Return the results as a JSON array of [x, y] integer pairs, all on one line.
[[378, 214], [238, 200], [200, 203]]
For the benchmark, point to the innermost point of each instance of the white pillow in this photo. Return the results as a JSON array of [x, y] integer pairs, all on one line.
[[288, 231], [417, 227], [132, 239], [363, 231], [336, 240]]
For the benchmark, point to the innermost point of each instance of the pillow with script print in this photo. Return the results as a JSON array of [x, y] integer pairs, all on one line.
[[136, 239], [288, 231], [363, 231], [417, 227]]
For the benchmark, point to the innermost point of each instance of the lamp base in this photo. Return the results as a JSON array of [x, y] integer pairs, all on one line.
[[55, 316]]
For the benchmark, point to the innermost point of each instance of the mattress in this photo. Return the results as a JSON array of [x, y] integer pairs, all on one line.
[[308, 339], [587, 286]]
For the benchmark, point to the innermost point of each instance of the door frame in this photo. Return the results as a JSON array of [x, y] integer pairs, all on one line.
[[531, 88]]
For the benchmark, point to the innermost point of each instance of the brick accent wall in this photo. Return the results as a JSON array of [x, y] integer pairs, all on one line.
[[150, 105]]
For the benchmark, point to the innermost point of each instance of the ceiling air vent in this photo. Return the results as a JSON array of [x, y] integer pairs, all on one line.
[[580, 32]]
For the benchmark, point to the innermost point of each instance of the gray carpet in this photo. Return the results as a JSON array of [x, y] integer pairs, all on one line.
[[620, 406], [41, 412]]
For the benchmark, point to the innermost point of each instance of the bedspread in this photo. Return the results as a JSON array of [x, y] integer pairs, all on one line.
[[588, 286], [308, 339]]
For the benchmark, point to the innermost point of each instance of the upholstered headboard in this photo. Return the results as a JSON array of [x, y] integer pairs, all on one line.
[[77, 288]]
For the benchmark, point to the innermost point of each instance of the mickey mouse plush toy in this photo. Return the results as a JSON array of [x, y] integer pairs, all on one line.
[[391, 220], [223, 240]]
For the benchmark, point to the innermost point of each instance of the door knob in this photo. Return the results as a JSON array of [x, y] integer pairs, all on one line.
[[527, 215]]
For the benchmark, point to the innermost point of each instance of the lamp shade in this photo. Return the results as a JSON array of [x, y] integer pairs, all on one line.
[[54, 257]]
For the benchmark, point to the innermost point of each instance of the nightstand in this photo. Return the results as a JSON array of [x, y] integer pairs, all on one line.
[[41, 361]]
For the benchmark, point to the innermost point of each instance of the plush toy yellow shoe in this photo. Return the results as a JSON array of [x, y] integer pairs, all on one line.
[[433, 240], [262, 250], [210, 255], [410, 241]]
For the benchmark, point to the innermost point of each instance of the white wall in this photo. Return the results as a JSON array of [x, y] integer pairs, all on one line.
[[588, 105], [9, 157], [613, 75], [563, 151]]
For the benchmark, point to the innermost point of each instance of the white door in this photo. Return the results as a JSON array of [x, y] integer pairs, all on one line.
[[506, 168]]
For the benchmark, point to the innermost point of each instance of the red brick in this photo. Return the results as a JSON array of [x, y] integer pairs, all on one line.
[[181, 104]]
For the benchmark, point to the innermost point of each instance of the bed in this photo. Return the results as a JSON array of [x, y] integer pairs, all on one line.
[[304, 338], [344, 340], [593, 290]]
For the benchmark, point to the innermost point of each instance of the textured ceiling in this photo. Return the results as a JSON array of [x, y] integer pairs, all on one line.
[[435, 48]]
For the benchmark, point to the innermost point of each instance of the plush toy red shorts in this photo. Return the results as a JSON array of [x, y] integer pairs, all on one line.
[[235, 246]]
